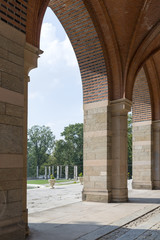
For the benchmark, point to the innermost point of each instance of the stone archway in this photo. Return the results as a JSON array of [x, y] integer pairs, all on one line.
[[110, 48]]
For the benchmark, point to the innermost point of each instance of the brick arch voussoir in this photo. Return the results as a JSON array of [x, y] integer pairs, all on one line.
[[142, 104], [82, 33], [35, 13]]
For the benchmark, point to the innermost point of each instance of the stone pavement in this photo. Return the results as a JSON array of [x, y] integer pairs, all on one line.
[[137, 219], [43, 198]]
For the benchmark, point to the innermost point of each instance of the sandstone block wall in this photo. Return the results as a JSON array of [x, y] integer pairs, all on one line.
[[156, 154], [142, 155], [11, 132], [97, 152]]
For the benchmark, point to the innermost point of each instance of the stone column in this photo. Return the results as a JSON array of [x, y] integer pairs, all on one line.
[[37, 173], [61, 171], [66, 172], [31, 54], [57, 172], [45, 174], [156, 154], [97, 152], [49, 172], [75, 173], [53, 171], [120, 109], [142, 154]]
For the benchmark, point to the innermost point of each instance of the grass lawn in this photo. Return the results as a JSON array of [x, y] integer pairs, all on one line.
[[43, 181]]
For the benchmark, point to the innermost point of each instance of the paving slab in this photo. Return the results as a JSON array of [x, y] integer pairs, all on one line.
[[89, 220]]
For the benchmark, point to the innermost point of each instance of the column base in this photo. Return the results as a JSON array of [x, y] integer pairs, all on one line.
[[156, 185], [25, 220], [96, 196], [120, 195], [142, 185]]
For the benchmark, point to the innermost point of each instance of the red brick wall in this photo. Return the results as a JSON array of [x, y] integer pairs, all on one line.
[[82, 34], [141, 108], [14, 12]]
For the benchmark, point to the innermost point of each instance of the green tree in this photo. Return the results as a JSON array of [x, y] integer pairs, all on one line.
[[40, 146], [69, 151]]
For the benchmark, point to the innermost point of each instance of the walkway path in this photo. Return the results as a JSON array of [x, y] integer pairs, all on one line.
[[90, 221]]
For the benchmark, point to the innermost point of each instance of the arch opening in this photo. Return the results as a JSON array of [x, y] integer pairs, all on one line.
[[55, 100], [142, 134]]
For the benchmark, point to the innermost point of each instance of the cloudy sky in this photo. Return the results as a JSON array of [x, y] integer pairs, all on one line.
[[55, 89]]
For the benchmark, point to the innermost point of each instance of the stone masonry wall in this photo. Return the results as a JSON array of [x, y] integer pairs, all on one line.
[[12, 44], [142, 133], [97, 152], [142, 164]]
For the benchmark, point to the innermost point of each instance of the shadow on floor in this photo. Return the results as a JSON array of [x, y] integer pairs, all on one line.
[[88, 231], [144, 200]]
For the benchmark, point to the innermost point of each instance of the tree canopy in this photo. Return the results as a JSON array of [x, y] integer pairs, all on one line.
[[40, 145], [69, 151]]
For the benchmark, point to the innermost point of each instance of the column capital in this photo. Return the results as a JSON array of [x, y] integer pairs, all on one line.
[[31, 54], [120, 106]]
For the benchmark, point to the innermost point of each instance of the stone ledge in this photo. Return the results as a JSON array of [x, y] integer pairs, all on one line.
[[97, 196], [142, 185]]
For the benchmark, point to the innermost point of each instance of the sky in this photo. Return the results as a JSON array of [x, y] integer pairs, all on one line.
[[55, 88]]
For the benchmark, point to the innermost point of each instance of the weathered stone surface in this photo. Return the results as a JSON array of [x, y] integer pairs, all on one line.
[[14, 195], [11, 68], [11, 139], [156, 154], [14, 110], [11, 184], [13, 209], [97, 152], [8, 174], [2, 108], [12, 82], [16, 59], [4, 53], [120, 109], [0, 78], [10, 120], [14, 235], [3, 196], [11, 44], [142, 155]]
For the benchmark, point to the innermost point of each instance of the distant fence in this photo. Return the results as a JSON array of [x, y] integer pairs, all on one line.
[[65, 172], [60, 171]]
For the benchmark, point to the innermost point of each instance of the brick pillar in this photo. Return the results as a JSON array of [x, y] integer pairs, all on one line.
[[120, 109], [97, 152], [156, 154], [142, 139]]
